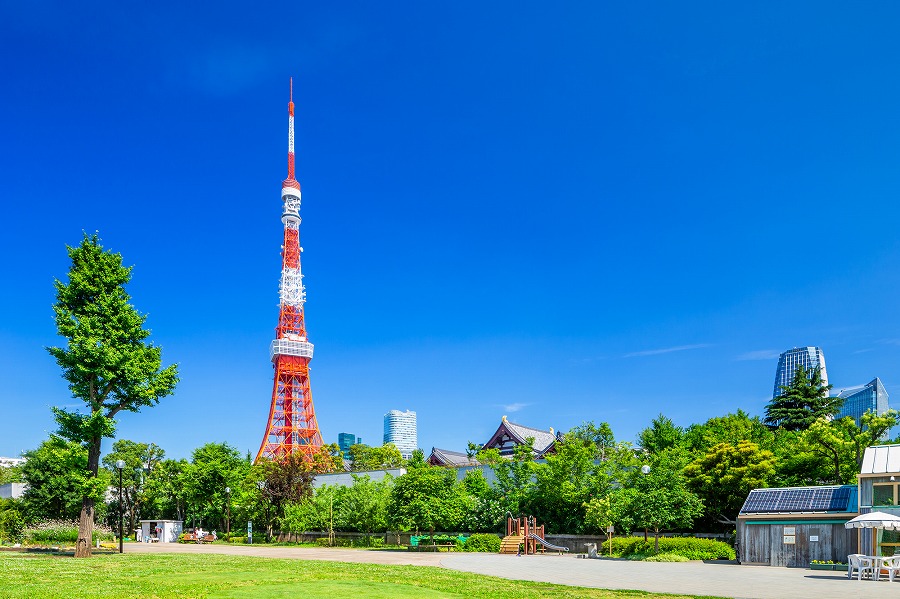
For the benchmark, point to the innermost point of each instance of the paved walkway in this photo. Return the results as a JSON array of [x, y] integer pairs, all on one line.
[[689, 578]]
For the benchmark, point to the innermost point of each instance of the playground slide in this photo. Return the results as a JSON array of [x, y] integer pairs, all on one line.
[[546, 544]]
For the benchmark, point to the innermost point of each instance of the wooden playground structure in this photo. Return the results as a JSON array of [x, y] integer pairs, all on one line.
[[524, 532]]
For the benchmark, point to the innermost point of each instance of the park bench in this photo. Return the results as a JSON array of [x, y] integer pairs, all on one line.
[[208, 538]]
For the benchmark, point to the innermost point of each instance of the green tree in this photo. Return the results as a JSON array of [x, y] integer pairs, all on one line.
[[724, 476], [140, 459], [364, 504], [363, 457], [514, 476], [213, 468], [659, 501], [842, 443], [564, 483], [662, 434], [487, 513], [600, 436], [165, 493], [427, 499], [56, 474], [802, 402], [731, 429], [108, 361]]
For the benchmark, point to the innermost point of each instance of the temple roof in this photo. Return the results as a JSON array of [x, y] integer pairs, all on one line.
[[445, 457], [543, 440]]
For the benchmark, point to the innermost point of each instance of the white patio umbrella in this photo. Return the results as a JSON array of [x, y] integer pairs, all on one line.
[[875, 520]]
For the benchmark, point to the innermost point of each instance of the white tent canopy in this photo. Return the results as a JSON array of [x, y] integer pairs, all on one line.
[[875, 520]]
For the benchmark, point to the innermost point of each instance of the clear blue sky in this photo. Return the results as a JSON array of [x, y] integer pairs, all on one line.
[[586, 211]]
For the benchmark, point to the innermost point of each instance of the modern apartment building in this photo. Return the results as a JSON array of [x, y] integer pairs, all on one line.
[[345, 440], [810, 357], [400, 429], [864, 398]]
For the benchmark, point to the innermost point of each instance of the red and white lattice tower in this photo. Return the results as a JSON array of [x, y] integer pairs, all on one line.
[[292, 426]]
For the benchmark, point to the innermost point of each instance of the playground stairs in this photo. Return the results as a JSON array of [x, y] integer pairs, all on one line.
[[510, 543]]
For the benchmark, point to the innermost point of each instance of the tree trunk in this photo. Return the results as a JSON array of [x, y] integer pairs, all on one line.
[[86, 522]]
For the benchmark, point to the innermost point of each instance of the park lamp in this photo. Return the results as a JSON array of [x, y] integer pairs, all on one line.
[[645, 469], [120, 464], [228, 510]]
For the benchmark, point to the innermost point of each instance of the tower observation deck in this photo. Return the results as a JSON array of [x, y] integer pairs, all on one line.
[[292, 426]]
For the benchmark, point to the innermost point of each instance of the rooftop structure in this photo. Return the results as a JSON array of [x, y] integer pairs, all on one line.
[[453, 459], [509, 434]]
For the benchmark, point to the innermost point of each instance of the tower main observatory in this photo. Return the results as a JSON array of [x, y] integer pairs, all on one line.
[[292, 426]]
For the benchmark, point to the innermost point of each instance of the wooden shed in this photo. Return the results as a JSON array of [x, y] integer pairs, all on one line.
[[793, 526]]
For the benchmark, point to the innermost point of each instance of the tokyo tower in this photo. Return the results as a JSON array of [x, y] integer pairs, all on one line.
[[292, 426]]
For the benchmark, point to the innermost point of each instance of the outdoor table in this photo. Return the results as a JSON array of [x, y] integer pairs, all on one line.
[[878, 563]]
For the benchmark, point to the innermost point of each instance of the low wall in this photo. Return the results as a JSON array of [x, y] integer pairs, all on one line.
[[575, 543]]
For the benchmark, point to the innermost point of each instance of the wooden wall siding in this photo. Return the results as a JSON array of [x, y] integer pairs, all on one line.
[[764, 543], [866, 490], [754, 543]]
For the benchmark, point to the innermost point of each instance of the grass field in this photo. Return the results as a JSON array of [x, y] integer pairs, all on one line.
[[239, 577]]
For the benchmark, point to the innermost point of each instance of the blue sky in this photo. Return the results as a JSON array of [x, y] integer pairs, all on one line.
[[591, 211]]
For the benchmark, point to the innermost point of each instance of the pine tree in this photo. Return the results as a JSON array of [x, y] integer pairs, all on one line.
[[802, 402]]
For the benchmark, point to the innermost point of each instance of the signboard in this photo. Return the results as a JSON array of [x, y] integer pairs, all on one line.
[[813, 538], [790, 539], [790, 530], [250, 532], [610, 529]]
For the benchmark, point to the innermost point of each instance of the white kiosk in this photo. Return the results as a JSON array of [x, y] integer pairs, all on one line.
[[160, 531]]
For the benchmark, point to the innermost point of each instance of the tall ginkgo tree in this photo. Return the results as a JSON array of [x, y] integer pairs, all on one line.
[[108, 360]]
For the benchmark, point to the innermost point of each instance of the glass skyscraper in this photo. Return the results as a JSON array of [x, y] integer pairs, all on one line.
[[862, 399], [810, 357], [400, 429], [345, 440]]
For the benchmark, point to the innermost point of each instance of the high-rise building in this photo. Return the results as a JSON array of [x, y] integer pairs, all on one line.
[[863, 398], [811, 358], [345, 440], [400, 429]]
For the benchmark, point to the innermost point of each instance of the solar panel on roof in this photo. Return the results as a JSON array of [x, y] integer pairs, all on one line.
[[805, 499]]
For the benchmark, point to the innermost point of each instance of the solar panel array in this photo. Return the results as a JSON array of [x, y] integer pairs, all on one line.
[[803, 499]]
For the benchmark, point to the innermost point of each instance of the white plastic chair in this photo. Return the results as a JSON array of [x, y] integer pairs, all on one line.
[[861, 564], [891, 565]]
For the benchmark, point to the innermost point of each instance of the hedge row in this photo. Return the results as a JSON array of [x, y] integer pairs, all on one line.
[[486, 543], [689, 547]]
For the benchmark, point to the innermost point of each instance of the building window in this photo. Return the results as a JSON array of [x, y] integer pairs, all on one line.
[[884, 494]]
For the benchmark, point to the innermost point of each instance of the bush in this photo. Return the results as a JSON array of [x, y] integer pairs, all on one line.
[[482, 542], [58, 532], [12, 526], [233, 538], [690, 547]]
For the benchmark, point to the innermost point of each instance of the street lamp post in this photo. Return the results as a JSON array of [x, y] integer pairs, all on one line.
[[645, 470], [262, 486], [119, 465], [227, 510]]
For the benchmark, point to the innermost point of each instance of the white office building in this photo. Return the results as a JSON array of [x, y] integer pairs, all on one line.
[[400, 429]]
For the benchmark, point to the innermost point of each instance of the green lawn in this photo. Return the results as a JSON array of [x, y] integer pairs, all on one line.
[[227, 576]]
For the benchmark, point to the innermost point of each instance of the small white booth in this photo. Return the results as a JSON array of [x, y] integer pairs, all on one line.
[[159, 531]]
